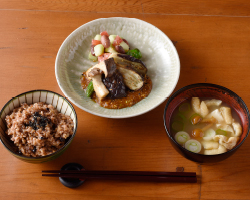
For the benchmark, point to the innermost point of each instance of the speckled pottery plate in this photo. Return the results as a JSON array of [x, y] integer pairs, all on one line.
[[159, 55]]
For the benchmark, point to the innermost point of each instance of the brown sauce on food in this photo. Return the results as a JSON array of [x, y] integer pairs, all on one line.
[[131, 99], [84, 81]]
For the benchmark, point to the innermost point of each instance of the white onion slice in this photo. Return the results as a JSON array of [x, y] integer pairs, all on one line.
[[193, 145], [182, 137]]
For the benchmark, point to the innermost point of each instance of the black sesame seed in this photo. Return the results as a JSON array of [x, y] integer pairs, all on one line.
[[34, 150], [36, 114], [38, 122], [62, 139], [33, 125]]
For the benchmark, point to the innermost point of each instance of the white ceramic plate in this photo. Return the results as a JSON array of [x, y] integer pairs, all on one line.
[[159, 55]]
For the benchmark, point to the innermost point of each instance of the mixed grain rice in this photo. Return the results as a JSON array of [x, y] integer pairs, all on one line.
[[38, 129]]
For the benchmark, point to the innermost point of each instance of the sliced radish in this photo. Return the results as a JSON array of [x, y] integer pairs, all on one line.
[[104, 33], [193, 145], [181, 137], [104, 56], [96, 42], [117, 40]]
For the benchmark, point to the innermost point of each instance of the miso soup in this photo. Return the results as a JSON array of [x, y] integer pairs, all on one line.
[[206, 126]]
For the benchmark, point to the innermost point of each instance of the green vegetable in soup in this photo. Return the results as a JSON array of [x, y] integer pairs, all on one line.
[[90, 89], [193, 145], [180, 117], [178, 126], [221, 132], [135, 53]]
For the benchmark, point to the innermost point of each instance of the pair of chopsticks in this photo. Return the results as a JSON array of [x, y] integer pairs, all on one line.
[[185, 177]]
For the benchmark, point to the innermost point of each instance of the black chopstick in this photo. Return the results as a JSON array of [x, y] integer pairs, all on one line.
[[184, 179], [187, 177], [137, 173]]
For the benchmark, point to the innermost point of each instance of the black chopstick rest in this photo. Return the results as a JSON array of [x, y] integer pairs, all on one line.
[[71, 182]]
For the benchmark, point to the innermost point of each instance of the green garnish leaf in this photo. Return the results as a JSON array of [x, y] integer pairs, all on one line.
[[90, 89], [135, 53]]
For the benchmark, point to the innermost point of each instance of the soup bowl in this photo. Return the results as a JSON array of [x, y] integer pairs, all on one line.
[[56, 100], [206, 90]]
